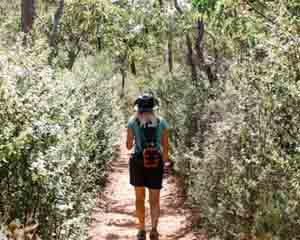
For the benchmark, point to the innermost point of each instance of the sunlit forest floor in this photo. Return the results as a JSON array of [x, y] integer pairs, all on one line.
[[114, 218]]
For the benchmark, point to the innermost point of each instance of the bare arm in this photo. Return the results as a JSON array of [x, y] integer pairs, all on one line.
[[165, 144], [129, 141]]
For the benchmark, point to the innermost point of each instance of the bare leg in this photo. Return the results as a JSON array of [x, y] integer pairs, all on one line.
[[154, 198], [140, 206]]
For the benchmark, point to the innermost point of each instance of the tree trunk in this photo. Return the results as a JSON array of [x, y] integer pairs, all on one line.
[[72, 55], [190, 59], [161, 3], [123, 74], [170, 51], [99, 35], [27, 15], [53, 34], [133, 66], [199, 50], [58, 14]]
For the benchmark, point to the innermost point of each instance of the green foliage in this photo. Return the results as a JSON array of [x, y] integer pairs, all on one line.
[[236, 143], [234, 138], [205, 6], [58, 131]]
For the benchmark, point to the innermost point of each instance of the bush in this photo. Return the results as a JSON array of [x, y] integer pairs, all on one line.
[[244, 176], [58, 132], [236, 142]]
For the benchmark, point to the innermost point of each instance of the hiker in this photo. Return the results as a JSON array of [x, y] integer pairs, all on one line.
[[149, 160]]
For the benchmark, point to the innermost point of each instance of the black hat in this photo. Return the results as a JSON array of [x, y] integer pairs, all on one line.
[[145, 103]]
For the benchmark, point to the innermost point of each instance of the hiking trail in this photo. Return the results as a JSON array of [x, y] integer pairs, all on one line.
[[114, 218]]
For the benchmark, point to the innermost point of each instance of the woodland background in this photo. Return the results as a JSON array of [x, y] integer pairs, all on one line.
[[226, 72]]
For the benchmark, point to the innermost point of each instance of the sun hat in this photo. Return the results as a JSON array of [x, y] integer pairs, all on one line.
[[145, 103]]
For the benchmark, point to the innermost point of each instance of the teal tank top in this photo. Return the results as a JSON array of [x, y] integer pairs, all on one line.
[[133, 124]]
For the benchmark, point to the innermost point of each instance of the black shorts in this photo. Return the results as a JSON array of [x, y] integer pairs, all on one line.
[[145, 177]]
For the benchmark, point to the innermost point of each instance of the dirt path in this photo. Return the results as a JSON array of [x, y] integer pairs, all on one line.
[[115, 216]]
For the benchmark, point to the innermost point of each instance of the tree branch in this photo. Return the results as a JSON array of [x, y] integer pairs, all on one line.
[[260, 13], [178, 8]]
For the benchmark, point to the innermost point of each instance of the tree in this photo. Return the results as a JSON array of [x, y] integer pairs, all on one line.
[[28, 15]]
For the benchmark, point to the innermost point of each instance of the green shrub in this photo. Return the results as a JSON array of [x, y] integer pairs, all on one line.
[[58, 131], [246, 177], [236, 143]]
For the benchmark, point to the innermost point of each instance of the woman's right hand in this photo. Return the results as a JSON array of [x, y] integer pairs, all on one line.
[[167, 167]]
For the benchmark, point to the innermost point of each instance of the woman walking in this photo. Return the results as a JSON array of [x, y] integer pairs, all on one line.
[[149, 135]]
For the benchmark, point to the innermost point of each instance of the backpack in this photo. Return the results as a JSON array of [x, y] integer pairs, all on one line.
[[151, 155]]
